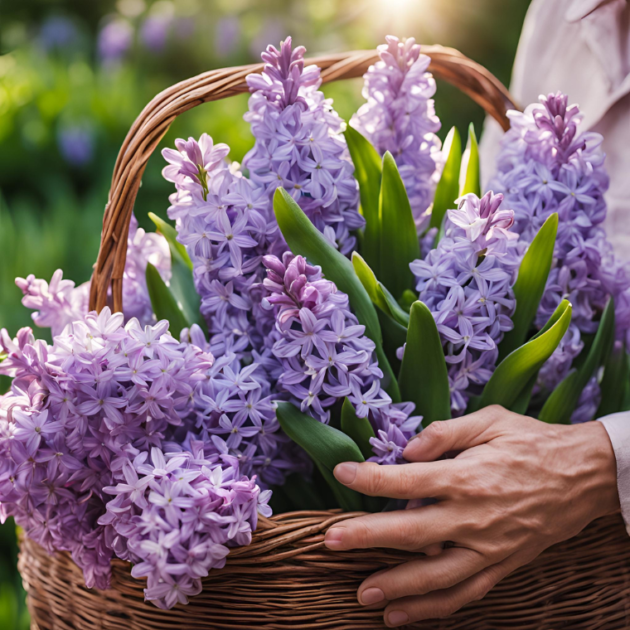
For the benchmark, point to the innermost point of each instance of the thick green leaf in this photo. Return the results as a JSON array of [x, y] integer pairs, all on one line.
[[359, 429], [326, 446], [448, 187], [164, 303], [423, 375], [562, 402], [521, 404], [394, 337], [367, 170], [472, 180], [348, 500], [530, 285], [306, 240], [301, 493], [395, 310], [181, 284], [170, 234], [407, 299], [613, 385], [369, 281], [518, 369], [379, 295], [5, 384], [398, 237]]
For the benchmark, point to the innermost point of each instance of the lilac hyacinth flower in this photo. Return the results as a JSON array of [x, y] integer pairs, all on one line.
[[101, 453], [300, 146], [60, 302], [227, 225], [399, 117], [466, 282], [325, 355], [547, 165]]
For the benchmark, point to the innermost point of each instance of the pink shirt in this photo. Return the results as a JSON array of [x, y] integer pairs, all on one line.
[[582, 48]]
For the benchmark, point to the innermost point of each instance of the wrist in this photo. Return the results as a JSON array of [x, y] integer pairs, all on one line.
[[598, 467]]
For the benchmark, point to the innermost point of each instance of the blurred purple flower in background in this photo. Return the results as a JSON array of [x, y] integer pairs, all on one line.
[[115, 40], [154, 32], [57, 32], [227, 33], [399, 117], [76, 143]]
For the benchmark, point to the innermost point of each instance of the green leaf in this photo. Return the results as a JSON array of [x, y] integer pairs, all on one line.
[[326, 446], [407, 299], [302, 493], [359, 429], [306, 240], [561, 403], [398, 237], [472, 181], [530, 285], [181, 284], [613, 385], [377, 292], [517, 370], [369, 281], [164, 304], [394, 337], [367, 171], [348, 500], [423, 375], [170, 234], [448, 187], [521, 404]]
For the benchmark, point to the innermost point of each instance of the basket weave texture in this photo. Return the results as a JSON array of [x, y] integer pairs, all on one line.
[[287, 579]]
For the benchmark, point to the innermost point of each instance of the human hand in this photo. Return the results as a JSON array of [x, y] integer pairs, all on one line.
[[516, 487]]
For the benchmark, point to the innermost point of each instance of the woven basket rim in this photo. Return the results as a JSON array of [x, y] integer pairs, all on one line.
[[155, 119]]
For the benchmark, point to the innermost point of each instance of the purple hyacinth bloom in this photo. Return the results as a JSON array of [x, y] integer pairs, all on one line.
[[399, 117], [547, 165], [105, 452], [227, 225], [59, 303], [299, 144], [154, 32], [466, 282], [325, 355]]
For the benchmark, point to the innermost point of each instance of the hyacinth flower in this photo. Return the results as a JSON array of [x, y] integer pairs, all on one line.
[[326, 357], [59, 302], [227, 225], [109, 410], [547, 165], [466, 282], [399, 117], [299, 144]]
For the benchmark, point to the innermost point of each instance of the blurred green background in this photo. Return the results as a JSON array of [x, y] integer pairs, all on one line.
[[74, 74]]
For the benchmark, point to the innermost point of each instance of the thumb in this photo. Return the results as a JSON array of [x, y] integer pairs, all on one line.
[[455, 435]]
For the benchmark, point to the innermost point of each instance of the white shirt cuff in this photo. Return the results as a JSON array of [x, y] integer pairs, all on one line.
[[618, 427]]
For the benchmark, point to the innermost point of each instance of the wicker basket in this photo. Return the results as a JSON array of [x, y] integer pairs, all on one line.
[[286, 579]]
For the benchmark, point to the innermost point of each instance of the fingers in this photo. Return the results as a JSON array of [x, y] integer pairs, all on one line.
[[422, 576], [408, 481], [455, 435], [443, 603], [408, 530]]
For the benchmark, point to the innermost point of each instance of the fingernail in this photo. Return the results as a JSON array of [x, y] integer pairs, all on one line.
[[414, 437], [372, 596], [333, 538], [397, 618], [346, 473]]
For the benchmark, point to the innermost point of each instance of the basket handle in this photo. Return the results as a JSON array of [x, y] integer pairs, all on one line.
[[155, 119]]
